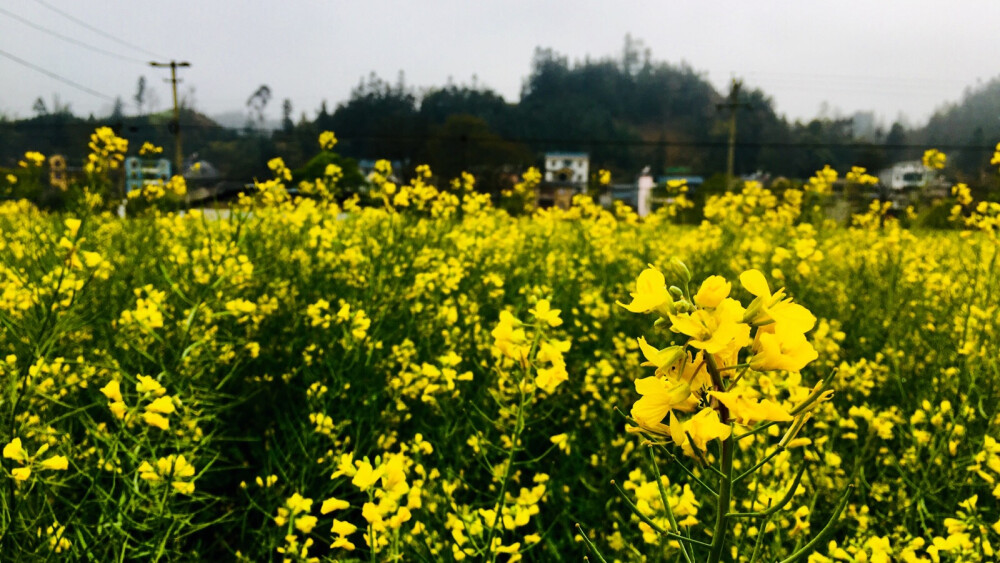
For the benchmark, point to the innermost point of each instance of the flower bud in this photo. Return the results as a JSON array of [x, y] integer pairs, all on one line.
[[666, 308], [678, 269]]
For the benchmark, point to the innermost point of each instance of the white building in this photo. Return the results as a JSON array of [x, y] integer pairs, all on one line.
[[567, 167], [911, 174]]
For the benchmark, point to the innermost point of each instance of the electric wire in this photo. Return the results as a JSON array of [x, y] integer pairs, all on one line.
[[868, 79], [70, 39], [98, 31], [54, 75]]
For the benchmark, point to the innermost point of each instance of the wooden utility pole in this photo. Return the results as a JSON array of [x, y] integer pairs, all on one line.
[[175, 125], [733, 105]]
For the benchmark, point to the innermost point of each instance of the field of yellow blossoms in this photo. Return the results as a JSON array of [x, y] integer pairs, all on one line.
[[424, 376]]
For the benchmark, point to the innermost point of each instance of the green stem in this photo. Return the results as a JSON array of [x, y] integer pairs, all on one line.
[[590, 544], [635, 509], [726, 480], [825, 532], [688, 471], [725, 494], [518, 428], [781, 504], [666, 502], [760, 536], [759, 464]]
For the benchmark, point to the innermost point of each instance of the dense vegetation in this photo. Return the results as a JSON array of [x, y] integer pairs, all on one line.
[[627, 112], [428, 377]]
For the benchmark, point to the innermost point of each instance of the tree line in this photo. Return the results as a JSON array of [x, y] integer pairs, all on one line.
[[628, 112]]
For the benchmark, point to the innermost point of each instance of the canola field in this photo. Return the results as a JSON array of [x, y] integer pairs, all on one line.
[[428, 377]]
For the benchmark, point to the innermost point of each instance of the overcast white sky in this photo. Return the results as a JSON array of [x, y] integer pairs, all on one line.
[[886, 56]]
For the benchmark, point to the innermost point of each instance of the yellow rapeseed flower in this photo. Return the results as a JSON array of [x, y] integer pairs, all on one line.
[[658, 397], [342, 528], [780, 347], [551, 377], [962, 193], [327, 140], [702, 428], [720, 331], [934, 159], [149, 385], [859, 175], [149, 148], [157, 420], [366, 476], [747, 410], [604, 177], [305, 524], [543, 313], [331, 504], [15, 451], [57, 462], [510, 340], [118, 408], [650, 292], [112, 391], [767, 307], [163, 405], [662, 360], [712, 291], [72, 226]]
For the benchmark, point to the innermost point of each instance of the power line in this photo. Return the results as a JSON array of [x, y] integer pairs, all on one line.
[[98, 31], [70, 39], [910, 80], [56, 76]]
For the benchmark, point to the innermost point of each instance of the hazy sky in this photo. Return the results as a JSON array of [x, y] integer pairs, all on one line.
[[886, 56]]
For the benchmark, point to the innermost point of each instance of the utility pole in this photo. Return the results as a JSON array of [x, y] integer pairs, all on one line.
[[733, 105], [175, 125]]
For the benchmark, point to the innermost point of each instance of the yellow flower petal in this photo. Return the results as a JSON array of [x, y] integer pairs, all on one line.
[[755, 283], [157, 420], [14, 451], [57, 462], [331, 504], [112, 391]]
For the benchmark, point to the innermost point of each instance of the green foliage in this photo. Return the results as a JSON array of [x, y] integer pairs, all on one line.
[[465, 143], [936, 215], [258, 321], [316, 168]]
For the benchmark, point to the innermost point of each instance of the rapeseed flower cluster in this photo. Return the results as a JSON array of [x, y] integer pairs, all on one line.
[[107, 151], [699, 392]]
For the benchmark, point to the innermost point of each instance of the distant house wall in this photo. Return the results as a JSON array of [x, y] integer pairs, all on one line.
[[905, 175], [566, 174], [573, 168]]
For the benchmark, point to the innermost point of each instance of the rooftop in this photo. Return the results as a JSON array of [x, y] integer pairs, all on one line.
[[560, 154]]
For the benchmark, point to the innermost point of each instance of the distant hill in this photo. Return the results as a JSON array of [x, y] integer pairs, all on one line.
[[972, 122], [66, 134], [958, 122]]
